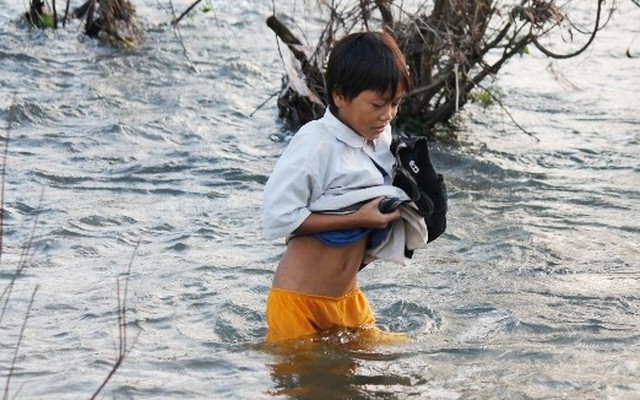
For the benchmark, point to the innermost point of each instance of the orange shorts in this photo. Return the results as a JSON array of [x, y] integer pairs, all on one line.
[[293, 314]]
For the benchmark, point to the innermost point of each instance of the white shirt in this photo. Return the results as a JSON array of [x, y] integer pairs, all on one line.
[[327, 167]]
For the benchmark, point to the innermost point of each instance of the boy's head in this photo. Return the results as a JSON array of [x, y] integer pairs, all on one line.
[[366, 61]]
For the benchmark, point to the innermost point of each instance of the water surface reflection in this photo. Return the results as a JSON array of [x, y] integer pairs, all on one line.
[[337, 365]]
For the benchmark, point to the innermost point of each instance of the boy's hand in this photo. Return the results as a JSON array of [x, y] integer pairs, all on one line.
[[389, 204], [370, 215]]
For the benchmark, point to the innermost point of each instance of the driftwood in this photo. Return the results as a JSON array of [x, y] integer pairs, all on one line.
[[303, 97], [446, 47], [113, 21]]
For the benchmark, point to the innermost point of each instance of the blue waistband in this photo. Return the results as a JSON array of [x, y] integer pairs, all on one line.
[[343, 237]]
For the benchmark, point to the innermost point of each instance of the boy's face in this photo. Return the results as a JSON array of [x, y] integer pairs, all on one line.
[[369, 112]]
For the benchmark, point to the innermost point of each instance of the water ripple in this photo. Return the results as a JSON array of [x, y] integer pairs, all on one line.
[[531, 292]]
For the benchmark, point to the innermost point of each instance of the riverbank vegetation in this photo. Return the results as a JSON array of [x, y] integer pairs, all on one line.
[[453, 47], [113, 21]]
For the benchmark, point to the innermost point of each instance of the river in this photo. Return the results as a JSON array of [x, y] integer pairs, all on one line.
[[151, 158]]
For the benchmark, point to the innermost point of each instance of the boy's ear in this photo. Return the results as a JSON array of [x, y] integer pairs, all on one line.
[[338, 98]]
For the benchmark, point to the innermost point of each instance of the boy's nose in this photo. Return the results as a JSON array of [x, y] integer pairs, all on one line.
[[388, 114]]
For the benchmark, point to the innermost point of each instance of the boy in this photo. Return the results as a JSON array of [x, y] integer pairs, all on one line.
[[325, 191]]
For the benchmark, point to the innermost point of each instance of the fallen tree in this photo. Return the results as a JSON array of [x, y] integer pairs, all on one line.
[[451, 46]]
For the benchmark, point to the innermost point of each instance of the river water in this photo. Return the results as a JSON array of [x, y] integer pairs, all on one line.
[[150, 158]]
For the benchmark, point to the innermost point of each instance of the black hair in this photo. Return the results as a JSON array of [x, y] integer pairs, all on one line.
[[365, 61]]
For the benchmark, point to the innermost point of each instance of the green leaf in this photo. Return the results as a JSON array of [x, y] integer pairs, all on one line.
[[45, 21]]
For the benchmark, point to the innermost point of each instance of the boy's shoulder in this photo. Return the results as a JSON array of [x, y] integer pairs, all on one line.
[[311, 127], [313, 141], [315, 133]]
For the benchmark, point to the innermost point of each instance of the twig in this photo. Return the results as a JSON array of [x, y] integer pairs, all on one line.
[[264, 102], [176, 32], [123, 346], [551, 54], [3, 177], [66, 14], [22, 262], [91, 6], [561, 77], [504, 108], [55, 14], [20, 337], [176, 20]]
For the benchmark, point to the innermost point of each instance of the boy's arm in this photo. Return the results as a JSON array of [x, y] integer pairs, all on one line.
[[368, 216], [289, 188]]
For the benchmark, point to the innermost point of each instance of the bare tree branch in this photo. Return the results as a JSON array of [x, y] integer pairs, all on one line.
[[178, 35], [596, 29], [175, 21], [66, 14], [22, 262], [387, 16], [123, 345], [55, 14], [15, 353], [3, 176]]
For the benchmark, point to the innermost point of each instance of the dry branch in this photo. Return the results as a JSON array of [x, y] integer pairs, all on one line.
[[175, 21], [15, 353], [123, 344]]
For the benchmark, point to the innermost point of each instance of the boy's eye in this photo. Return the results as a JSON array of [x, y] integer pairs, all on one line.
[[377, 105]]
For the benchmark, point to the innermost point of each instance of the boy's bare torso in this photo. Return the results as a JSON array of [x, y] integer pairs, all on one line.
[[309, 266]]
